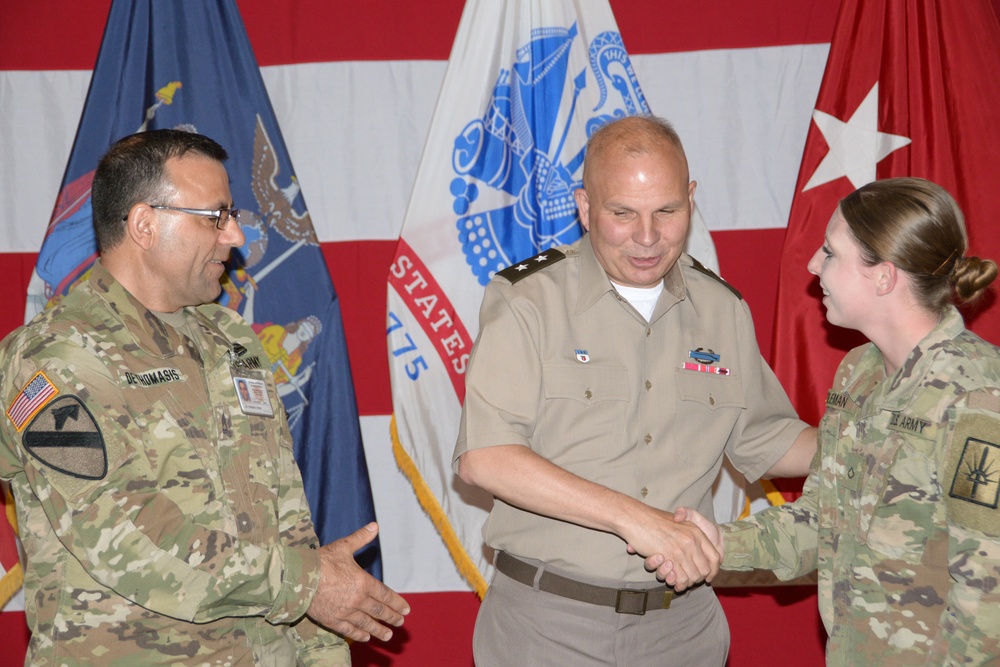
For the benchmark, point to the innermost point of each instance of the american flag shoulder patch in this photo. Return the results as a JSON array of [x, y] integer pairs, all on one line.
[[33, 397]]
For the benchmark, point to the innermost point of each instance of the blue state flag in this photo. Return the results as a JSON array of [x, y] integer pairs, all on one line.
[[189, 65]]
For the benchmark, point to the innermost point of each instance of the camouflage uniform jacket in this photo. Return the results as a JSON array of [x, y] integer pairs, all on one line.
[[901, 515], [162, 525]]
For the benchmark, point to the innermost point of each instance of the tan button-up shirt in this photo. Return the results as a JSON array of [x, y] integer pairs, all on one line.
[[564, 365]]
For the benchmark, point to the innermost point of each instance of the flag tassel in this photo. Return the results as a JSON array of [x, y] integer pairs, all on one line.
[[11, 582], [13, 579], [466, 567]]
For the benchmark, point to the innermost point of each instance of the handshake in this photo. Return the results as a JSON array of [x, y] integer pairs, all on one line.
[[683, 551]]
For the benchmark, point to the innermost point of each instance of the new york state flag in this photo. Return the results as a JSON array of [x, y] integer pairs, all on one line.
[[190, 66]]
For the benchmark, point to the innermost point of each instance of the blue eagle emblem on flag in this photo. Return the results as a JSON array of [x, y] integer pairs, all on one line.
[[519, 147]]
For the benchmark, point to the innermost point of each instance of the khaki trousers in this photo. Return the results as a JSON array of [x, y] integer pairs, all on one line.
[[518, 625]]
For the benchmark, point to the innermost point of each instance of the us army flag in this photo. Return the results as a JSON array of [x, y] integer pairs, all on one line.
[[909, 90], [190, 66], [526, 84]]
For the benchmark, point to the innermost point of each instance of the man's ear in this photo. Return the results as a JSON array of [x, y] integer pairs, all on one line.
[[142, 225], [582, 207]]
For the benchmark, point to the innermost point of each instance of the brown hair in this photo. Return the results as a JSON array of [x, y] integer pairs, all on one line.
[[918, 226]]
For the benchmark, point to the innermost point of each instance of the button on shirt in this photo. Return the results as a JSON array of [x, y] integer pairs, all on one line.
[[629, 417]]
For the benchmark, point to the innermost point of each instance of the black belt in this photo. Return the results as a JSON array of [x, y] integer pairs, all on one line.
[[624, 600]]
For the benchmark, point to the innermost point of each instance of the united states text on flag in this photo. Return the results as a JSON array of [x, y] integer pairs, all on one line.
[[527, 83], [354, 88]]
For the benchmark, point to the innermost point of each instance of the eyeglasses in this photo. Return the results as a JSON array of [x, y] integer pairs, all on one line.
[[221, 215]]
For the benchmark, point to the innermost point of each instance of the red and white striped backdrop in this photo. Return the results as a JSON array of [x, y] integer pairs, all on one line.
[[354, 86]]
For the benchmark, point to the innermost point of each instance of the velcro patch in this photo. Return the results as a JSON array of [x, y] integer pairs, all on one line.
[[974, 473], [153, 377], [841, 400], [912, 425], [32, 398], [855, 469], [65, 437]]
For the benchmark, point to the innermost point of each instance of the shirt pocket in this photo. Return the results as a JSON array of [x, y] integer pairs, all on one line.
[[584, 413], [708, 390], [716, 401], [181, 460], [900, 520], [830, 445]]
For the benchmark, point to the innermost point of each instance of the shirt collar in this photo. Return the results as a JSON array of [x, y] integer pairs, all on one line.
[[899, 390], [594, 281], [919, 361], [149, 332]]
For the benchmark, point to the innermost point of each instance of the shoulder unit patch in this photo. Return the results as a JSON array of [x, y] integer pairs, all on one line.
[[973, 473], [65, 437], [516, 272]]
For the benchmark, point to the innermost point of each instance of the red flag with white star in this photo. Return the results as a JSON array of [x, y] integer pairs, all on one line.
[[910, 89]]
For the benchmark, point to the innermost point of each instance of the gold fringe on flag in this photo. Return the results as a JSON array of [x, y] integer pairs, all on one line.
[[466, 567], [13, 579]]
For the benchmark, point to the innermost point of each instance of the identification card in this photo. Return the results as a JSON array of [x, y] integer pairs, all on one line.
[[251, 390]]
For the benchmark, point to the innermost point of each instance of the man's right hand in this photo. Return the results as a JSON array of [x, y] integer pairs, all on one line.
[[350, 601], [665, 568], [686, 555]]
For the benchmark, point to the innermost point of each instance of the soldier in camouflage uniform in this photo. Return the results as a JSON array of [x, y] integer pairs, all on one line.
[[162, 513], [900, 514]]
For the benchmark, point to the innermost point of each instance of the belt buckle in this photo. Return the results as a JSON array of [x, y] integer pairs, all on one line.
[[630, 601]]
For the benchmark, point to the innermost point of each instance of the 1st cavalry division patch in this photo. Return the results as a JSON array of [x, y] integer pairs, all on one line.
[[65, 437]]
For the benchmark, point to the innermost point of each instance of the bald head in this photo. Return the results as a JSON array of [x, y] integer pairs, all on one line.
[[636, 199], [631, 136]]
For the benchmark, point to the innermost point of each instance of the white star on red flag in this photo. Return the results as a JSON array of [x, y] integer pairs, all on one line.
[[856, 145]]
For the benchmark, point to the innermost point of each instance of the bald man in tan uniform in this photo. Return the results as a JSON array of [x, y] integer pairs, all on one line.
[[608, 380]]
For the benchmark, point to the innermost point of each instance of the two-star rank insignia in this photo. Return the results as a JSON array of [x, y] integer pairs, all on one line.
[[65, 437], [521, 270]]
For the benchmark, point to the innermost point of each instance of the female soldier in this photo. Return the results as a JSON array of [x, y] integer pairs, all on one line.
[[900, 514]]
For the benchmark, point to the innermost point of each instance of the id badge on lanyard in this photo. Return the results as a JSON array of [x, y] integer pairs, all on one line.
[[251, 388]]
